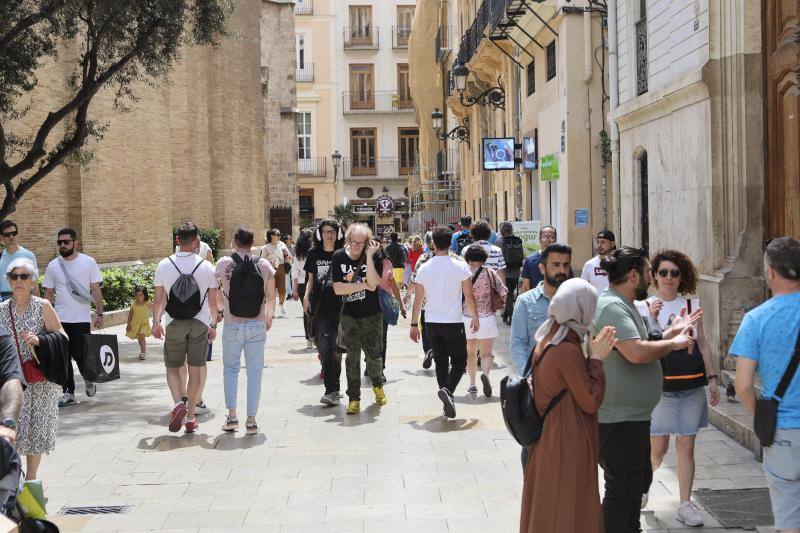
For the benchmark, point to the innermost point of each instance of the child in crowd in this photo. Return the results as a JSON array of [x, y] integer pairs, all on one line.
[[138, 322]]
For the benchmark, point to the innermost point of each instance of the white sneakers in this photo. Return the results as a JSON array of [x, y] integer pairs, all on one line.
[[689, 515], [283, 310]]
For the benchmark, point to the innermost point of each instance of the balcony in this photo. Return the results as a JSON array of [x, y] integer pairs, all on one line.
[[305, 7], [361, 38], [305, 73], [442, 43], [376, 169], [488, 16], [316, 167], [400, 36], [374, 102]]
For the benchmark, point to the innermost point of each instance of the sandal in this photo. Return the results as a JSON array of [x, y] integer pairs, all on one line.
[[231, 423], [251, 427], [142, 356]]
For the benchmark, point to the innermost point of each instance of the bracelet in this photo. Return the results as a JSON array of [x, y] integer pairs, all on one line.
[[414, 325], [713, 376]]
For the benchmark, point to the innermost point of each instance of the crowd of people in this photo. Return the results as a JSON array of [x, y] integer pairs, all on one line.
[[617, 356]]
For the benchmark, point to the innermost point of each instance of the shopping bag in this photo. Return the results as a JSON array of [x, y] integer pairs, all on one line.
[[100, 358], [31, 499]]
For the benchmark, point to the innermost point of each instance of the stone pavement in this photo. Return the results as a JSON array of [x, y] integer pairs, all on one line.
[[396, 468]]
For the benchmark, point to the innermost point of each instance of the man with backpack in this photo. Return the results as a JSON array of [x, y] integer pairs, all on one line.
[[514, 256], [246, 284], [462, 238], [186, 289], [396, 253]]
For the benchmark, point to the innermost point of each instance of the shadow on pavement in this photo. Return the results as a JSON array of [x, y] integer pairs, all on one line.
[[440, 424]]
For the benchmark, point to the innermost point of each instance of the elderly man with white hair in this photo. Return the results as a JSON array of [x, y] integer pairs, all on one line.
[[37, 334]]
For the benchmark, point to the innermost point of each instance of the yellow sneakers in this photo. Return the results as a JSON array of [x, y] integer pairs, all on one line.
[[380, 396], [354, 407]]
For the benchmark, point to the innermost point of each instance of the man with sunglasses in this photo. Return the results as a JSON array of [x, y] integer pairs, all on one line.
[[13, 251], [71, 282]]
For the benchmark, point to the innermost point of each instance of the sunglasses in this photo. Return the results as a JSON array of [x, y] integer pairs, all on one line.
[[64, 242], [672, 273], [11, 234], [15, 277]]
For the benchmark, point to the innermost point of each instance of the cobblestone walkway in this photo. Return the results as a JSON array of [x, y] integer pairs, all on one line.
[[396, 468]]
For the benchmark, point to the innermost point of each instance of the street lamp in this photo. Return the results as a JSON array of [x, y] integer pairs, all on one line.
[[493, 96], [336, 157], [460, 132]]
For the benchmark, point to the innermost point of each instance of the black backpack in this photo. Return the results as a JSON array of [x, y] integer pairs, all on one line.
[[463, 240], [513, 252], [184, 299], [246, 292]]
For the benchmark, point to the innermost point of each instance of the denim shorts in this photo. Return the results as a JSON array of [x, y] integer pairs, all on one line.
[[782, 469], [680, 413]]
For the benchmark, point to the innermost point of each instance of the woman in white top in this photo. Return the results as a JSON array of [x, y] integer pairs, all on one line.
[[277, 254]]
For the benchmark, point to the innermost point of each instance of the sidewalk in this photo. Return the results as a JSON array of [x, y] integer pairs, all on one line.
[[396, 468]]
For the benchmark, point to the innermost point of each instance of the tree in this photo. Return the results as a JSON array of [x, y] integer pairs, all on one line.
[[344, 213], [121, 43]]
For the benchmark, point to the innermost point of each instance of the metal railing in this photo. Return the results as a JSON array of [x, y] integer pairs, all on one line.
[[641, 57], [306, 7], [357, 102], [488, 15], [305, 73], [313, 166], [361, 38], [400, 36], [376, 168]]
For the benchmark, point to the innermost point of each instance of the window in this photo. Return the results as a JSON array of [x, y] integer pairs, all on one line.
[[364, 192], [361, 25], [403, 89], [505, 205], [362, 92], [301, 51], [644, 191], [642, 70], [551, 61], [303, 136], [405, 18], [364, 151], [530, 72], [409, 146]]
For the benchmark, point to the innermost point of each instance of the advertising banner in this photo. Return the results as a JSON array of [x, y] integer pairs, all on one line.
[[549, 168], [528, 231]]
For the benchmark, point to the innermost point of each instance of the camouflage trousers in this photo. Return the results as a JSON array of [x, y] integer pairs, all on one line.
[[363, 334]]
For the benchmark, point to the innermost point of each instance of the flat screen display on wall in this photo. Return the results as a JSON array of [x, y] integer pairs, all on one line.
[[530, 159], [498, 153]]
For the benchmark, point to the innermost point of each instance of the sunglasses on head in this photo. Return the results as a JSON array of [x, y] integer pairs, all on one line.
[[15, 277], [672, 273], [11, 234], [64, 242]]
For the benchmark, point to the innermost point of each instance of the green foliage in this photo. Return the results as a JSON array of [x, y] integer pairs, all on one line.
[[344, 214], [605, 146]]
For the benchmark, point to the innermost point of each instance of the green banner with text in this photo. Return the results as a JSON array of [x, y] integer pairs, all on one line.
[[548, 168]]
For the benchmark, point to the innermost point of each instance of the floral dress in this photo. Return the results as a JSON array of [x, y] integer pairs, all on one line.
[[38, 420]]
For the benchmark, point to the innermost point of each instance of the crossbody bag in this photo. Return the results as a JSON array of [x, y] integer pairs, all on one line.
[[765, 421], [78, 292]]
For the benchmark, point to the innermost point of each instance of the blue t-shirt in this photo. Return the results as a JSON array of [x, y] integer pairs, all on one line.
[[768, 335], [6, 260], [530, 269], [454, 239]]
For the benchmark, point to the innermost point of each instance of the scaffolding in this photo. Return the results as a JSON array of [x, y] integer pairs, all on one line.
[[436, 200]]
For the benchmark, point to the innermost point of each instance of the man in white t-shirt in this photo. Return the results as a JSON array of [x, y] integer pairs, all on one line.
[[186, 288], [72, 282], [445, 281], [592, 271]]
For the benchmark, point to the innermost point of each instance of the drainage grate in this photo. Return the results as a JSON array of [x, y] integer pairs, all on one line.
[[95, 509], [742, 508]]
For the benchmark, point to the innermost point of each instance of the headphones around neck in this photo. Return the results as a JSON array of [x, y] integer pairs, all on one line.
[[339, 236]]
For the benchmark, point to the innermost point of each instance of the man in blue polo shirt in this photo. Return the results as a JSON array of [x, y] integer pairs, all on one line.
[[9, 233], [766, 343]]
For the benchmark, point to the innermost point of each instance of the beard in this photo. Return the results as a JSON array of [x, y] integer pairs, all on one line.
[[555, 281], [641, 290], [66, 253]]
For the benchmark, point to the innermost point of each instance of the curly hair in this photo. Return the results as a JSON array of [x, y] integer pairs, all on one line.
[[688, 284]]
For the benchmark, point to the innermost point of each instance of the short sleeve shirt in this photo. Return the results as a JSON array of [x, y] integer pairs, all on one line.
[[7, 258], [530, 269], [83, 270], [482, 290], [167, 274], [442, 277], [594, 274], [223, 273], [362, 303], [632, 390], [495, 260], [323, 300], [768, 335]]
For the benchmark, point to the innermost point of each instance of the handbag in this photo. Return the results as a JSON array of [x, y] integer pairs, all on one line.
[[30, 368], [765, 420], [100, 358], [498, 299], [521, 418]]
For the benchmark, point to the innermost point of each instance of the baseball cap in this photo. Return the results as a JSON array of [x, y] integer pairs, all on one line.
[[607, 235]]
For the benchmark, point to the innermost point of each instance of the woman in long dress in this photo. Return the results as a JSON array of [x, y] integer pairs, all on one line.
[[560, 494]]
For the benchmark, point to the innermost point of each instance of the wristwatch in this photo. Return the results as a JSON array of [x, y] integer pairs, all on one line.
[[213, 326], [99, 314], [10, 423]]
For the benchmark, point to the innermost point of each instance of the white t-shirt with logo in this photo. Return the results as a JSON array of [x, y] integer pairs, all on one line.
[[594, 274], [167, 274], [83, 270], [442, 276]]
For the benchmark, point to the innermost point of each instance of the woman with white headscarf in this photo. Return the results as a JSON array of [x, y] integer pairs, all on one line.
[[560, 494]]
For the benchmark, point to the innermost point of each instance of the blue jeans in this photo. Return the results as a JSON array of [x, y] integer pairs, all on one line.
[[250, 337]]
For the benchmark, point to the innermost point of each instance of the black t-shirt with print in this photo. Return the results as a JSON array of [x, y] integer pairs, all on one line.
[[362, 303], [318, 262]]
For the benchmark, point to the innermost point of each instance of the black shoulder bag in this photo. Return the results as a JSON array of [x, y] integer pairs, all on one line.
[[766, 419]]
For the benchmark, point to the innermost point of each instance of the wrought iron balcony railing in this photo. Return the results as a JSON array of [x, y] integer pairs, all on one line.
[[306, 7], [365, 168], [641, 57], [313, 166], [305, 73], [357, 102], [361, 38], [400, 36]]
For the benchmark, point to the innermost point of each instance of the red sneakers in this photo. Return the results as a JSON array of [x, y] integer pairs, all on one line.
[[176, 419], [191, 425]]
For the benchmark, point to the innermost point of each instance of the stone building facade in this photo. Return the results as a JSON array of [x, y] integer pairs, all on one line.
[[195, 148]]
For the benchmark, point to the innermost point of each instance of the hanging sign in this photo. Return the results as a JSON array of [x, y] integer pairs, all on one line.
[[548, 168], [384, 205]]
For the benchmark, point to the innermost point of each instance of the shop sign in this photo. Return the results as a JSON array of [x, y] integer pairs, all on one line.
[[548, 168], [384, 205], [528, 231], [363, 209]]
